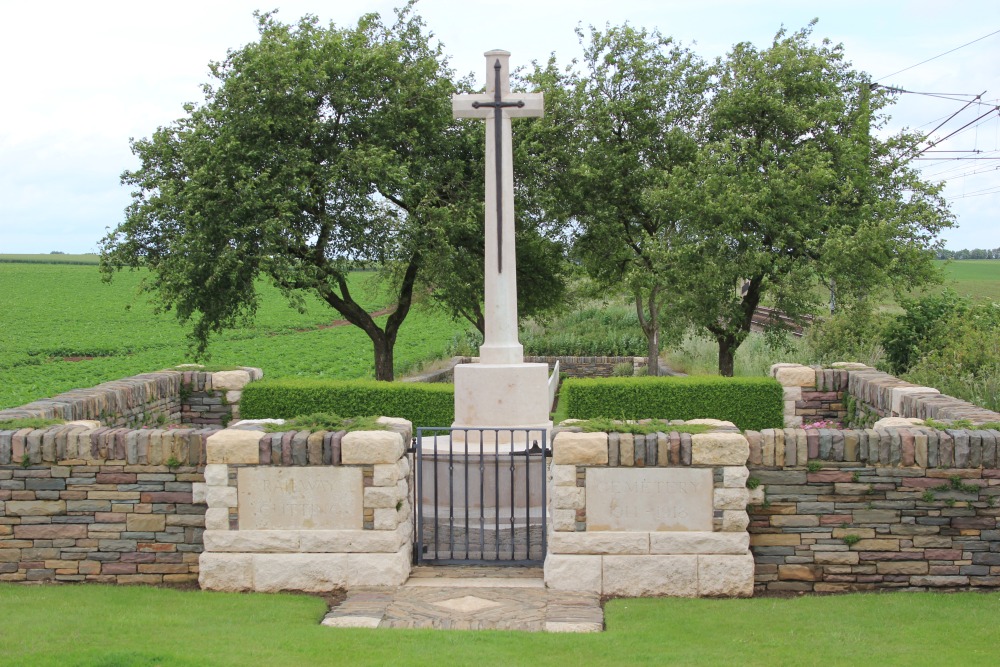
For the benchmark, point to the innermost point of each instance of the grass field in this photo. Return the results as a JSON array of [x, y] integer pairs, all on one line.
[[105, 626], [63, 328]]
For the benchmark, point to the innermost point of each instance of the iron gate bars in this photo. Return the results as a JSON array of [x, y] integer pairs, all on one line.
[[480, 496]]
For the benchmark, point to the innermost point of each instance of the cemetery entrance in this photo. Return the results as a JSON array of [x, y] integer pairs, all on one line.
[[480, 496]]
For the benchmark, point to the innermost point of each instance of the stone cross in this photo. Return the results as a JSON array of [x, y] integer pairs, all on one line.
[[499, 105]]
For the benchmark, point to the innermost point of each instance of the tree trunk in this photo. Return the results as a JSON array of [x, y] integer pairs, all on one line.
[[383, 358], [653, 353], [650, 327], [727, 351]]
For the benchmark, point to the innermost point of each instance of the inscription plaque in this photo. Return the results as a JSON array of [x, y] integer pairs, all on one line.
[[653, 499], [300, 498]]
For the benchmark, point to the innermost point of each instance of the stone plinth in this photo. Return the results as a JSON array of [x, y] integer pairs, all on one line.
[[497, 395]]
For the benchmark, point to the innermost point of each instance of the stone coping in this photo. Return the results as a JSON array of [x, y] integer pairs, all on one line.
[[886, 394], [891, 446]]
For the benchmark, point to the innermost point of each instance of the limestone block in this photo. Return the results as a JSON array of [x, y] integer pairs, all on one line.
[[719, 449], [86, 423], [642, 576], [735, 521], [221, 496], [217, 518], [793, 422], [564, 519], [386, 474], [731, 499], [718, 423], [897, 422], [225, 572], [354, 541], [603, 542], [234, 397], [792, 394], [573, 573], [580, 448], [233, 446], [299, 572], [381, 496], [794, 375], [757, 496], [569, 497], [564, 475], [360, 447], [231, 380], [897, 394], [403, 466], [252, 541], [735, 477], [199, 493], [379, 569], [698, 542], [725, 576], [386, 518]]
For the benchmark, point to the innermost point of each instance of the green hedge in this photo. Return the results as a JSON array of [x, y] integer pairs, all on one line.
[[753, 403], [424, 404]]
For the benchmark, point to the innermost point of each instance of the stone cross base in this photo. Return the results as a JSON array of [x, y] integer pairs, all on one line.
[[502, 395]]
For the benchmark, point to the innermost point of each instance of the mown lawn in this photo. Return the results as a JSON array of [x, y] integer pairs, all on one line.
[[63, 328], [109, 627]]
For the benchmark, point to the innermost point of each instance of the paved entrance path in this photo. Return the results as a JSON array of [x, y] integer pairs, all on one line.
[[470, 598]]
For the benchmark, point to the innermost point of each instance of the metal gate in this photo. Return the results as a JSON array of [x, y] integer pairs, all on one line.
[[480, 496]]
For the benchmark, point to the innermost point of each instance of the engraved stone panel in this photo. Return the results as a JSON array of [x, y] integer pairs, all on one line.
[[653, 499], [300, 499]]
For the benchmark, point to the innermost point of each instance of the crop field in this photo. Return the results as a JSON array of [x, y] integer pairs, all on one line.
[[61, 328], [978, 279]]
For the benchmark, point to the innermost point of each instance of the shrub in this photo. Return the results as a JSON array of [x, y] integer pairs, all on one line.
[[750, 403], [424, 404], [925, 326]]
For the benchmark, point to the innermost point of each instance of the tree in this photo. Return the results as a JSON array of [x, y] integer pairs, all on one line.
[[317, 150], [790, 186], [630, 116]]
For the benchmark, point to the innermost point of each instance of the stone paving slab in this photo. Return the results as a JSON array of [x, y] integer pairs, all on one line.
[[470, 599]]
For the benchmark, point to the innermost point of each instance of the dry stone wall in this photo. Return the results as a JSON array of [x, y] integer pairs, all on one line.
[[858, 395], [150, 399], [575, 367], [111, 505], [894, 507]]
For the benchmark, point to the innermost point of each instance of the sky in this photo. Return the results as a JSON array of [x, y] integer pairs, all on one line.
[[84, 78]]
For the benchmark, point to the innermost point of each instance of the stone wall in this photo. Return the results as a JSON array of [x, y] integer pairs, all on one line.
[[659, 514], [574, 367], [307, 511], [887, 507], [85, 503], [182, 396], [858, 395]]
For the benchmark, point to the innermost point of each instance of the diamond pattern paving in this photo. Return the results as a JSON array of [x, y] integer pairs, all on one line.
[[471, 599]]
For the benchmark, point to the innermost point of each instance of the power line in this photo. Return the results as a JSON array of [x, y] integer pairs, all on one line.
[[938, 56]]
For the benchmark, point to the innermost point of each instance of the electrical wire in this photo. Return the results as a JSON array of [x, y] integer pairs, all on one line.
[[906, 69]]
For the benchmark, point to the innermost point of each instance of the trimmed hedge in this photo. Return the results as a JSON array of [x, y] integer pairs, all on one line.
[[752, 403], [424, 404]]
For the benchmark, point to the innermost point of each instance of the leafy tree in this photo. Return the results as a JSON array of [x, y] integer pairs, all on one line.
[[317, 150], [627, 119], [790, 185]]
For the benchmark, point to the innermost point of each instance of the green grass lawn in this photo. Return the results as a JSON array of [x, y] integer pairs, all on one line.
[[55, 311], [136, 626]]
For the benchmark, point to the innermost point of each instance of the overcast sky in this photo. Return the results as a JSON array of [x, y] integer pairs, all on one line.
[[82, 78]]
